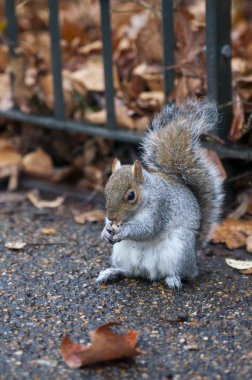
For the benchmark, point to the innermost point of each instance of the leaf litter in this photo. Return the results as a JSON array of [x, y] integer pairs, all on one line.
[[233, 233], [105, 345], [36, 201]]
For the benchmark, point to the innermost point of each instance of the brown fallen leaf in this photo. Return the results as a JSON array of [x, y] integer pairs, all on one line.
[[13, 173], [232, 232], [46, 90], [9, 157], [152, 100], [96, 118], [237, 128], [38, 163], [15, 244], [249, 210], [90, 77], [249, 244], [242, 208], [105, 346], [33, 197], [90, 216], [247, 271]]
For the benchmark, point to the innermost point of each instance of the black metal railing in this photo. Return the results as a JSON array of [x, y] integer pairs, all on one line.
[[218, 53]]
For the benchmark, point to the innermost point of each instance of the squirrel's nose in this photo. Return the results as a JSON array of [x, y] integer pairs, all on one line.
[[112, 216]]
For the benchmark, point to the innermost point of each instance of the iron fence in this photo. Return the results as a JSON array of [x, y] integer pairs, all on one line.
[[218, 54]]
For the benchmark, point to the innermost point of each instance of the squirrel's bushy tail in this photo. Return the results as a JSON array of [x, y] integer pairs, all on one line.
[[172, 145]]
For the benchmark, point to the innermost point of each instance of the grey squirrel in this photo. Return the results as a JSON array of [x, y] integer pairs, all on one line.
[[158, 217]]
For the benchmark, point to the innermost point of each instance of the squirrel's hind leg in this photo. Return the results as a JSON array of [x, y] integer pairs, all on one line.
[[173, 282], [110, 274]]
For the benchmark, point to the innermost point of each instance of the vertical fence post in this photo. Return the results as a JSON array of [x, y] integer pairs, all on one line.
[[168, 46], [108, 62], [12, 36], [56, 59], [219, 86], [11, 25]]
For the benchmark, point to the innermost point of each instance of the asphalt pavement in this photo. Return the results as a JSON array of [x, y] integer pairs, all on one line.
[[48, 288]]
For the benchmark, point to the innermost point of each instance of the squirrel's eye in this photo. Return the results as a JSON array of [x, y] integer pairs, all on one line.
[[130, 196]]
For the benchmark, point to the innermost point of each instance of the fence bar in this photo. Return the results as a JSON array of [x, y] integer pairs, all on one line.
[[168, 46], [218, 30], [56, 59], [108, 62], [11, 26], [71, 126]]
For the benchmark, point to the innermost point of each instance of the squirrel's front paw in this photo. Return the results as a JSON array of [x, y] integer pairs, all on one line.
[[120, 235], [107, 233]]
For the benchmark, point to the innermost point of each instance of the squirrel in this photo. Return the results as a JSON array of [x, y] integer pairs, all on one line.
[[161, 212]]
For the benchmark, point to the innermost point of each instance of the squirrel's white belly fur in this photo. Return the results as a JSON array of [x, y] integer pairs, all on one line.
[[154, 259]]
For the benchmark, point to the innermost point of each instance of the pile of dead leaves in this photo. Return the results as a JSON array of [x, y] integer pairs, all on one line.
[[137, 56], [237, 233], [84, 162]]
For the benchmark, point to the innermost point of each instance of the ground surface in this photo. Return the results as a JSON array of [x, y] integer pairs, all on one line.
[[48, 289]]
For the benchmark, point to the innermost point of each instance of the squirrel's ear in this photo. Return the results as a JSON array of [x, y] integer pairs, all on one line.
[[137, 171], [116, 165]]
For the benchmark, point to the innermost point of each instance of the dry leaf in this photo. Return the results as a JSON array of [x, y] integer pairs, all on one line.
[[149, 41], [10, 161], [15, 245], [105, 346], [232, 232], [46, 90], [48, 231], [38, 163], [237, 127], [91, 76], [242, 208], [17, 70], [90, 216], [249, 210], [151, 74], [247, 271], [13, 180], [244, 266], [91, 48], [35, 200], [123, 119], [97, 118], [142, 123], [6, 98], [151, 101], [249, 244], [9, 157]]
